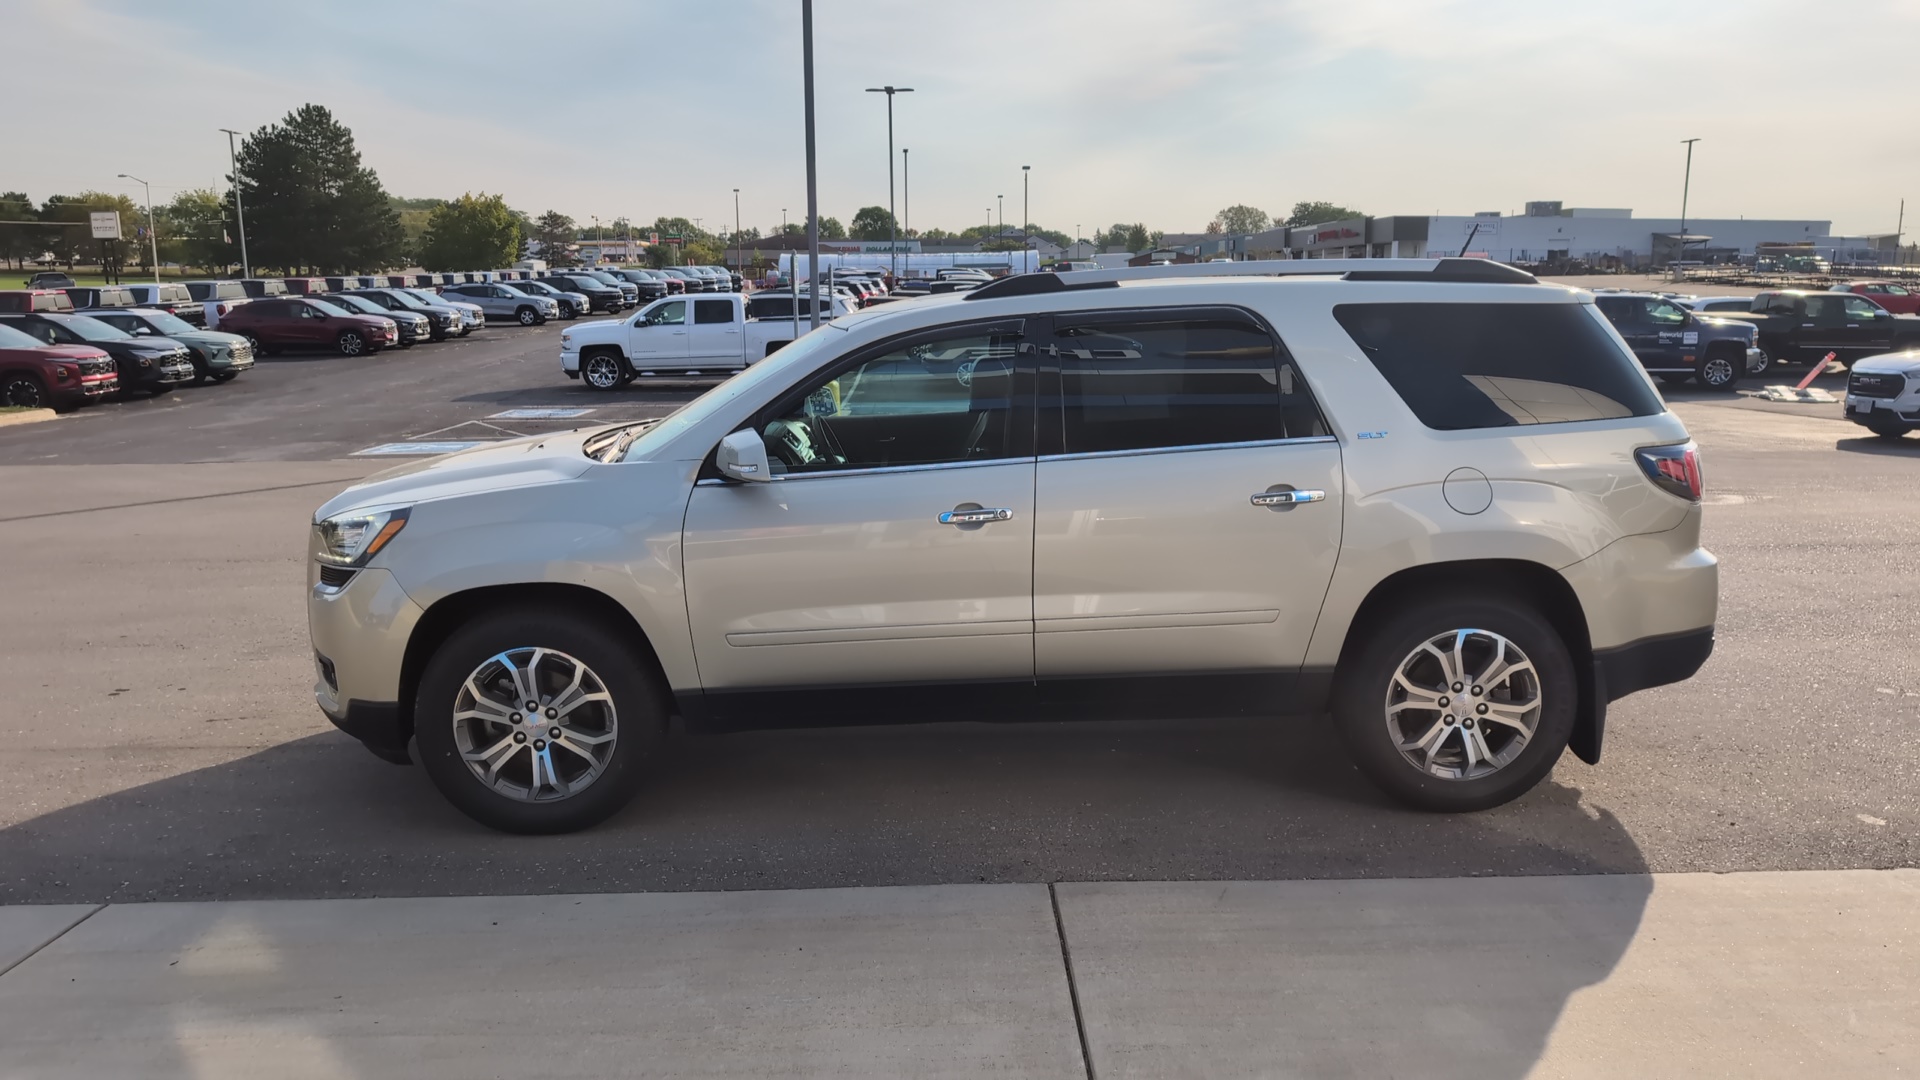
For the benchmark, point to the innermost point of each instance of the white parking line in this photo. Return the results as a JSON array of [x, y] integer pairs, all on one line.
[[420, 449]]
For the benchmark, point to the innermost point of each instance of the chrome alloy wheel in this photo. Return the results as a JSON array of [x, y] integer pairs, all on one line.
[[1463, 705], [1717, 371], [601, 371], [534, 725]]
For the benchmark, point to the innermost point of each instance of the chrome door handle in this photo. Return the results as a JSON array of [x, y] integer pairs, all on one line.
[[1288, 498], [975, 517]]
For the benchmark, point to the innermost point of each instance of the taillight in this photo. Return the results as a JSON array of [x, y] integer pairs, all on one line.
[[220, 309], [1674, 469]]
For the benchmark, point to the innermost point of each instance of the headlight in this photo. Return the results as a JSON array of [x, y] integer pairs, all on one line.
[[352, 538]]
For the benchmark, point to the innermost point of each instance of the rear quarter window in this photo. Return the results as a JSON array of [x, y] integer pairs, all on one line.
[[1466, 366]]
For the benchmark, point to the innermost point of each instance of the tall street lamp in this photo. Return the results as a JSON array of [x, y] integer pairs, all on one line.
[[906, 195], [893, 225], [1026, 219], [153, 241], [813, 187], [233, 159], [1003, 216], [1685, 184], [739, 257]]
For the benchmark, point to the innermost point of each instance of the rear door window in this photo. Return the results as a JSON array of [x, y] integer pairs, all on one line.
[[707, 312], [1466, 366], [1143, 381]]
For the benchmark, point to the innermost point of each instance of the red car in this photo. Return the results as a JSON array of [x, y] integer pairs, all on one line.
[[305, 322], [35, 375], [1899, 299]]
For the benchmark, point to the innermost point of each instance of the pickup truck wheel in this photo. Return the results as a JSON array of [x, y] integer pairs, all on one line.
[[1718, 370], [526, 315], [1456, 701], [603, 370], [350, 343], [534, 720]]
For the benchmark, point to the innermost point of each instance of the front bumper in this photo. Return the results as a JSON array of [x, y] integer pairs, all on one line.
[[1757, 360], [1872, 411], [570, 362], [359, 633]]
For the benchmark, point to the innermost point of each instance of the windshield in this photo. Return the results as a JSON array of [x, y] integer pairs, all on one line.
[[406, 299], [426, 299], [359, 304], [780, 365], [87, 329], [14, 339], [167, 324], [331, 304]]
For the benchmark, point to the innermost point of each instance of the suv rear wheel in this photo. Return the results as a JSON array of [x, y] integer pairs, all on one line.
[[535, 721], [1457, 701]]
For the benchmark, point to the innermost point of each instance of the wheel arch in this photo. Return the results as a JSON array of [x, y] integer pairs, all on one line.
[[451, 612], [1535, 584]]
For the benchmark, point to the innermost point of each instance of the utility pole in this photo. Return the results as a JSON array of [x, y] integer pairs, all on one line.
[[813, 187], [739, 253], [906, 195], [893, 223], [1685, 185], [153, 241], [1003, 215], [1026, 218], [246, 268]]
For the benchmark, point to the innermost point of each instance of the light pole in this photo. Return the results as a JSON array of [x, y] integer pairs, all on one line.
[[1026, 219], [783, 221], [1685, 184], [246, 268], [893, 223], [153, 240], [1003, 216], [739, 256], [906, 197], [813, 188]]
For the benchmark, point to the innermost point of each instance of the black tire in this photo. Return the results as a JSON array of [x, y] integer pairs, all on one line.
[[526, 315], [1676, 380], [640, 705], [201, 373], [568, 311], [224, 376], [156, 391], [604, 370], [351, 343], [1888, 428], [407, 343], [23, 390], [1361, 694], [1720, 370]]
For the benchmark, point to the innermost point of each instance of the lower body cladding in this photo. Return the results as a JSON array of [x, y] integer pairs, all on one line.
[[360, 631]]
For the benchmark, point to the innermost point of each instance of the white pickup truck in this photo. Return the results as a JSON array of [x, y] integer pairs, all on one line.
[[676, 335]]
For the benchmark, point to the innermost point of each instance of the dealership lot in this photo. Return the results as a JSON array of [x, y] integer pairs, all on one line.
[[164, 745]]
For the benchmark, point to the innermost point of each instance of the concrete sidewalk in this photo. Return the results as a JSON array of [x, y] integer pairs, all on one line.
[[1753, 975]]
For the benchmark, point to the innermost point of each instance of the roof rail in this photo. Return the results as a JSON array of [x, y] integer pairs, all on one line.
[[1476, 271]]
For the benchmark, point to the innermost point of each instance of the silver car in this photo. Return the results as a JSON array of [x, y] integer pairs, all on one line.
[[1437, 500], [506, 302]]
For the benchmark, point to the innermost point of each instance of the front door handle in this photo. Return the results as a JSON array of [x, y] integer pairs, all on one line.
[[980, 516], [1291, 497]]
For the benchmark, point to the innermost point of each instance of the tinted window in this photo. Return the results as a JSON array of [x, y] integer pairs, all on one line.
[[1664, 313], [1461, 366], [712, 311], [1860, 309], [1134, 384], [937, 401]]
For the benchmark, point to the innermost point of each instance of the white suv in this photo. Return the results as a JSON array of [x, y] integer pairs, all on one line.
[[1438, 500]]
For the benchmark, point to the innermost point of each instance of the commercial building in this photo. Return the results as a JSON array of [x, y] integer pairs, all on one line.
[[1546, 232]]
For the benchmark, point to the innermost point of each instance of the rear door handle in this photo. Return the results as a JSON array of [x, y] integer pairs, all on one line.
[[1289, 498], [981, 516]]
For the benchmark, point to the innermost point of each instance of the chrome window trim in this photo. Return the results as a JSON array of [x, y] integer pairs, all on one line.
[[1190, 447], [781, 478]]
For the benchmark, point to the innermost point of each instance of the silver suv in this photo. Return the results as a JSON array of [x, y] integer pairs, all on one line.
[[1437, 500], [505, 302]]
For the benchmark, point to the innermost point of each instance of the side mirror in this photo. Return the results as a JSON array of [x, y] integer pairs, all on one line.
[[743, 456]]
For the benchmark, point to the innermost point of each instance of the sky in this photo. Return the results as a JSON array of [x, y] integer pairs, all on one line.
[[1126, 110]]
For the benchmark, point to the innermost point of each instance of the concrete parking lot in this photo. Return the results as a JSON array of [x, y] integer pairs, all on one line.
[[162, 742]]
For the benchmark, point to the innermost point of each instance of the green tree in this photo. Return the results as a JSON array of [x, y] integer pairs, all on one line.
[[311, 205], [473, 231], [413, 224], [1318, 213], [831, 229], [934, 236], [72, 243], [872, 223], [1052, 236], [18, 243], [1138, 239], [705, 252], [1241, 218], [193, 231], [793, 228], [554, 230]]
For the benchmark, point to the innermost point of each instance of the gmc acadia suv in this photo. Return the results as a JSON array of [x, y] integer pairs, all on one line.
[[1438, 500]]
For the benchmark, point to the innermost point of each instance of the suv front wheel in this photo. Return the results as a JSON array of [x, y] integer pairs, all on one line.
[[1457, 702], [535, 721]]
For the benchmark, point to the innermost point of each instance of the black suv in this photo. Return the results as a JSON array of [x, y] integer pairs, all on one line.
[[442, 321], [154, 364], [48, 280], [600, 296], [651, 288]]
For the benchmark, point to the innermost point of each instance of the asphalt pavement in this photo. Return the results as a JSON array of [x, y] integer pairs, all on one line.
[[161, 741]]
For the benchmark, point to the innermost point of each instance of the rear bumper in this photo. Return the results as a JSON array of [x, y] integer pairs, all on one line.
[[1650, 662]]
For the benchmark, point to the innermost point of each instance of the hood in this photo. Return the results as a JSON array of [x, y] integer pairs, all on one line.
[[1900, 363], [161, 345], [211, 337], [594, 324], [69, 352], [1719, 323], [537, 459]]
